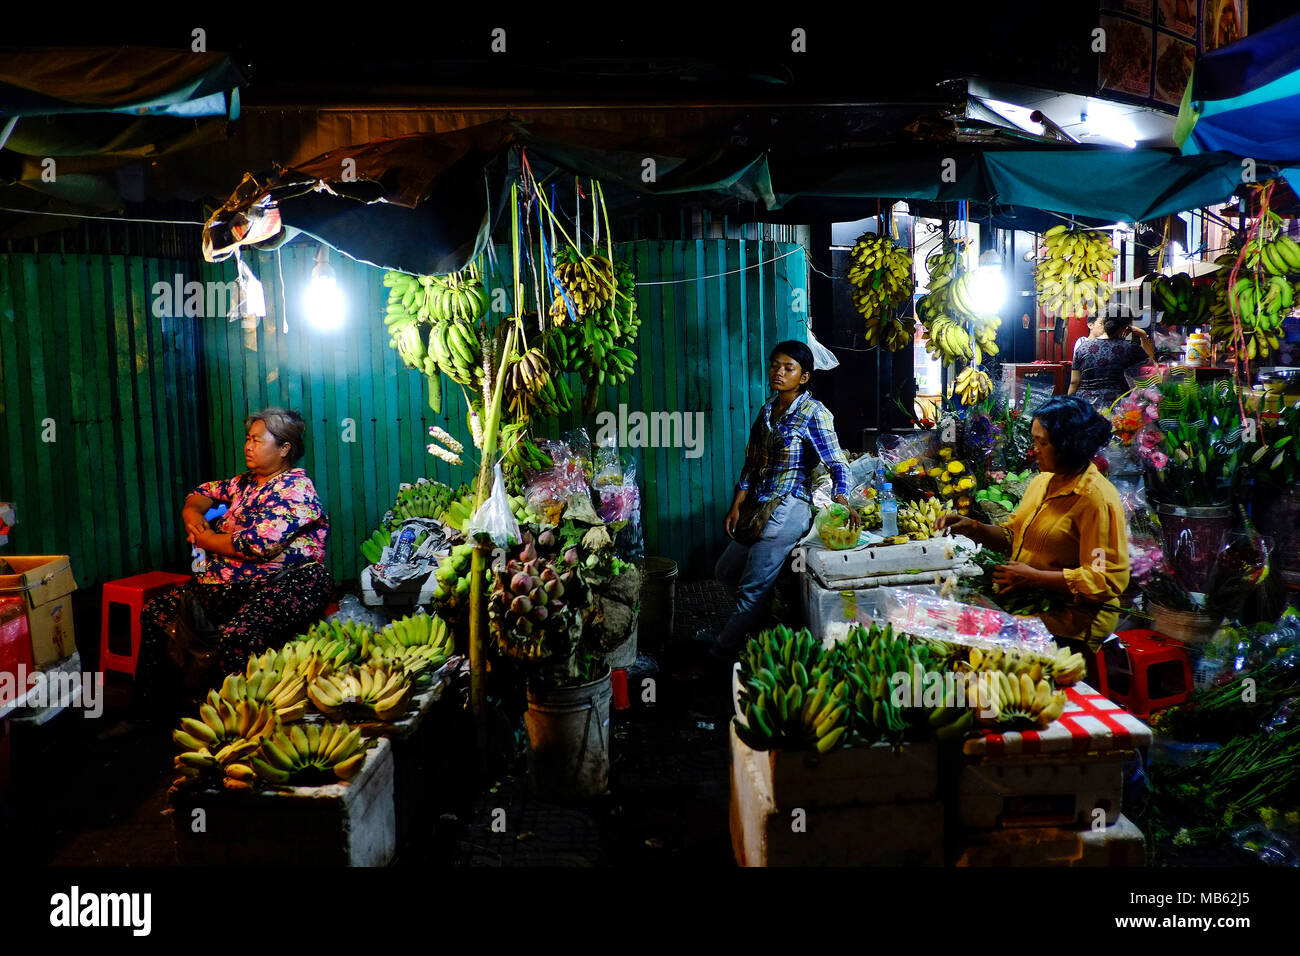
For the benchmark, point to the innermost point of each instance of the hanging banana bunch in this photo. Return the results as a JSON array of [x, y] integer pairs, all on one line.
[[1264, 292], [1070, 278], [881, 275], [451, 305]]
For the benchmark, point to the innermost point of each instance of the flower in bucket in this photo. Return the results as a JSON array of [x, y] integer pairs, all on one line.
[[1159, 459]]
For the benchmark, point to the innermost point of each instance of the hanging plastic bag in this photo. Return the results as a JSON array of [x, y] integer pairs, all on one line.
[[495, 519], [823, 358]]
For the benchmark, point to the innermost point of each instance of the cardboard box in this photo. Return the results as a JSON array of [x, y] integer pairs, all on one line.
[[46, 583], [854, 775], [1120, 844]]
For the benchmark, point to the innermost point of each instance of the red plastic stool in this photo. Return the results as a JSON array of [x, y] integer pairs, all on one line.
[[134, 592], [1146, 672]]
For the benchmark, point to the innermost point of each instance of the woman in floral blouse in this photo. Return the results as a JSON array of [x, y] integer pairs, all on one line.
[[265, 579]]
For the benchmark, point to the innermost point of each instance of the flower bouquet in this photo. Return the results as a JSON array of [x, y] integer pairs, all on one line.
[[1193, 449]]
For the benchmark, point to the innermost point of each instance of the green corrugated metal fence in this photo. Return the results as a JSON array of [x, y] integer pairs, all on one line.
[[98, 435], [154, 405]]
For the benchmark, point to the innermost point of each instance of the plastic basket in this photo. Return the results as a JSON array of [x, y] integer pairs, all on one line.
[[1189, 627]]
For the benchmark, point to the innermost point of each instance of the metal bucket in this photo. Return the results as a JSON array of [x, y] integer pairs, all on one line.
[[658, 600], [1193, 538], [568, 740]]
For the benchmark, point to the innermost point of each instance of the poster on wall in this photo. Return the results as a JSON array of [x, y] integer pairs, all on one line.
[[1177, 16], [1222, 22], [1174, 61], [1125, 66], [1137, 8]]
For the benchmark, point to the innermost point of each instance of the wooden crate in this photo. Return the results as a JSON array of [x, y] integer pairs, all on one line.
[[342, 824], [1121, 844], [854, 775]]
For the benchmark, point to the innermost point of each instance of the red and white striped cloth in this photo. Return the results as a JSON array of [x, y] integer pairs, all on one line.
[[1090, 724]]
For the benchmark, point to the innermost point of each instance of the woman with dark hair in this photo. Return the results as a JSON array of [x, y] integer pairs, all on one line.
[[1069, 534], [264, 579], [1111, 346], [772, 508]]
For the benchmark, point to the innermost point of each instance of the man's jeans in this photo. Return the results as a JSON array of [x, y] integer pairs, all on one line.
[[749, 572]]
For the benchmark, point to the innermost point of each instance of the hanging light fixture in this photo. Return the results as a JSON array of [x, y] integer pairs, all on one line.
[[988, 287], [324, 298]]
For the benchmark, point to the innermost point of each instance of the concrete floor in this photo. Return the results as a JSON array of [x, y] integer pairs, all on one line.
[[77, 801]]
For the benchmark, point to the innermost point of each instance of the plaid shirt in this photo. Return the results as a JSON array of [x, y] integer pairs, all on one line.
[[779, 460]]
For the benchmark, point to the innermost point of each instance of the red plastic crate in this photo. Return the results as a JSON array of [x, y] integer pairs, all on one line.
[[15, 640]]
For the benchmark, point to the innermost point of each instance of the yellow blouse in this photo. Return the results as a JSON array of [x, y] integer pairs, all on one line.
[[1080, 530]]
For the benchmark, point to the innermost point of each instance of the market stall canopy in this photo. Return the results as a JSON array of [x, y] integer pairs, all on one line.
[[71, 118], [1244, 99], [427, 203]]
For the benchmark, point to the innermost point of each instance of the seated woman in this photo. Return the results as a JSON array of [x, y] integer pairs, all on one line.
[[1069, 534], [1111, 346], [265, 579]]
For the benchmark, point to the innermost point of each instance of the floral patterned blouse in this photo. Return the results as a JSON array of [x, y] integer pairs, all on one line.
[[282, 524]]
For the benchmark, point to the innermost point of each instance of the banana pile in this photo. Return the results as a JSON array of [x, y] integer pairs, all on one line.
[[213, 746], [589, 283], [424, 499], [1071, 276], [284, 689], [881, 275], [870, 509], [522, 459], [789, 695], [880, 665], [371, 691], [1182, 302], [596, 344], [917, 519], [458, 512], [973, 385], [1262, 296], [528, 605], [452, 577], [450, 305], [419, 644], [526, 379], [1062, 666], [311, 755], [1012, 702], [335, 642]]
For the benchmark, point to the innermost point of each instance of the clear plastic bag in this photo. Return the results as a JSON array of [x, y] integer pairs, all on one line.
[[619, 501], [932, 617], [495, 519], [823, 358], [833, 527]]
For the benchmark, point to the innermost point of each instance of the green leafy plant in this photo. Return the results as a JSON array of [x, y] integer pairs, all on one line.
[[1194, 451]]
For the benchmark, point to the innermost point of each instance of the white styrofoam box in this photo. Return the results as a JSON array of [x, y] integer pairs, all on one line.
[[1038, 792], [372, 598], [823, 607], [936, 554], [852, 775], [892, 834], [1121, 844], [339, 824]]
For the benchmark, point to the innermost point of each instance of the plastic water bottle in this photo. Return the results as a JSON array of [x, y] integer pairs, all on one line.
[[888, 511], [405, 546]]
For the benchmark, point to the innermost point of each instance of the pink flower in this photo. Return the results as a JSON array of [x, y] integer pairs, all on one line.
[[1152, 394], [1153, 412], [1150, 440], [1159, 459]]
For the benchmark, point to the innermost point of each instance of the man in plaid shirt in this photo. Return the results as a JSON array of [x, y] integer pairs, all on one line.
[[792, 434]]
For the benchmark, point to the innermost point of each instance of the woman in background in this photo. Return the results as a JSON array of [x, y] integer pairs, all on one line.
[[1100, 360]]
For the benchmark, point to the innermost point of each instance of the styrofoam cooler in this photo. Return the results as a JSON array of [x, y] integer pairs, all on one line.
[[843, 568]]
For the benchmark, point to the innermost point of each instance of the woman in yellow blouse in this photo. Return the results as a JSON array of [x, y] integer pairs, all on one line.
[[1069, 533]]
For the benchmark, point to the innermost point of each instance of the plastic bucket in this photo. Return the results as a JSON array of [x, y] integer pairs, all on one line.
[[658, 598], [568, 740], [1193, 538]]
